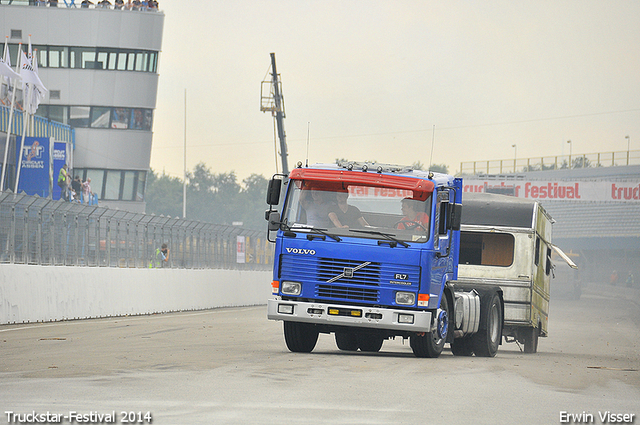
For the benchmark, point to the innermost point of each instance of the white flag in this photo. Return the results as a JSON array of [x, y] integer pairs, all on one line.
[[5, 64], [6, 71], [30, 77]]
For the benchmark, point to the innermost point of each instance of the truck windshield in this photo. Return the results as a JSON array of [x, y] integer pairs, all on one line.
[[339, 210]]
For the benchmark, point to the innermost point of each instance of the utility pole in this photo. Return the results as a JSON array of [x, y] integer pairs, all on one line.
[[628, 147], [275, 104]]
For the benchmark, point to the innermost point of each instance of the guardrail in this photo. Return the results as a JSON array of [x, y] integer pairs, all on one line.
[[42, 231], [38, 126], [560, 162]]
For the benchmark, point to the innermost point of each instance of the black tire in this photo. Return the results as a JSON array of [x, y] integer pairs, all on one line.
[[346, 341], [462, 346], [369, 343], [531, 340], [429, 344], [300, 337], [486, 341]]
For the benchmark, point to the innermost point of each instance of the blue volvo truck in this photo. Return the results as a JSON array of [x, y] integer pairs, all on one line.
[[370, 252]]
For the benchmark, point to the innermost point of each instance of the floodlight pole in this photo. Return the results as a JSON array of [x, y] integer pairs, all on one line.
[[279, 113], [184, 182]]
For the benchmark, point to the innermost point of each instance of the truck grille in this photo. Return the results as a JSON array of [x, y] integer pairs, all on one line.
[[347, 280], [347, 293], [330, 268]]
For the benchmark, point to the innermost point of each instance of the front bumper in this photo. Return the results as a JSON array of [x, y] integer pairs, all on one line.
[[375, 318]]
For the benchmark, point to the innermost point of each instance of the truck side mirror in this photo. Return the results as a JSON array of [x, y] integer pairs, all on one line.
[[273, 191], [274, 220], [456, 216]]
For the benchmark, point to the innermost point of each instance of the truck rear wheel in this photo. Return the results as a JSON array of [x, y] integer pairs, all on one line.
[[531, 340], [486, 341], [430, 344], [300, 337], [462, 346], [346, 341]]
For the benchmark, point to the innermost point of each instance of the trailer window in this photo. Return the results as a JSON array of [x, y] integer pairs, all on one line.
[[486, 249]]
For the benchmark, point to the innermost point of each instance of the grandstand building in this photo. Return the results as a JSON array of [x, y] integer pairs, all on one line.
[[100, 65]]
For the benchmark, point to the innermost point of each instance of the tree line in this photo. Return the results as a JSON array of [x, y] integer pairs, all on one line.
[[217, 197], [211, 197]]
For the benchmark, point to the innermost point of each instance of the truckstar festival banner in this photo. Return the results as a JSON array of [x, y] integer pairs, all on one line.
[[34, 173], [61, 156], [560, 190], [42, 159]]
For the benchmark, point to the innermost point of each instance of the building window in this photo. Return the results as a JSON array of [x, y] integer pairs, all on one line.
[[142, 179], [79, 116], [92, 58], [137, 119], [128, 185], [83, 57], [122, 61], [113, 185], [100, 117], [58, 57], [131, 61], [97, 181], [41, 53], [120, 118]]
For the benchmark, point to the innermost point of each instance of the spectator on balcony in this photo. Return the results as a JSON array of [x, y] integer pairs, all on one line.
[[119, 4], [86, 191], [63, 182], [85, 3]]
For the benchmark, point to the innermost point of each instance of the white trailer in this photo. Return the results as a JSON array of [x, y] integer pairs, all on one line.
[[506, 241]]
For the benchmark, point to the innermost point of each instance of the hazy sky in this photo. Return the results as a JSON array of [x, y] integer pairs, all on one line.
[[371, 79]]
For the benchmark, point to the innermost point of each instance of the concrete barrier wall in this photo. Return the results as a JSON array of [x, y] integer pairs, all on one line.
[[48, 293]]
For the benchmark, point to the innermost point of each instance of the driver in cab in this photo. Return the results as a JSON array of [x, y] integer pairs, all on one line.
[[413, 218]]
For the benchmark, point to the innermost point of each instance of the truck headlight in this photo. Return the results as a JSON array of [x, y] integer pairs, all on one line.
[[405, 298], [291, 288]]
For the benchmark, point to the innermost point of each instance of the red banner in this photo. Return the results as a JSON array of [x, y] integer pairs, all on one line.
[[560, 190]]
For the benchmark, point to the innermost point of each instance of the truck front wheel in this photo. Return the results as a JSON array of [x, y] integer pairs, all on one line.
[[430, 344], [369, 343], [486, 341], [346, 341], [300, 337]]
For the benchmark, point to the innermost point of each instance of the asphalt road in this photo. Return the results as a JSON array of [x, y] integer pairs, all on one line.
[[231, 366]]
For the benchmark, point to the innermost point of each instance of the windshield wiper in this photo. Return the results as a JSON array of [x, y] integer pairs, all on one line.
[[324, 232], [384, 235], [304, 228]]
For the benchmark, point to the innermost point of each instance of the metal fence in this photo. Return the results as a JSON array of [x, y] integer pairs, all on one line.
[[517, 165], [36, 230]]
